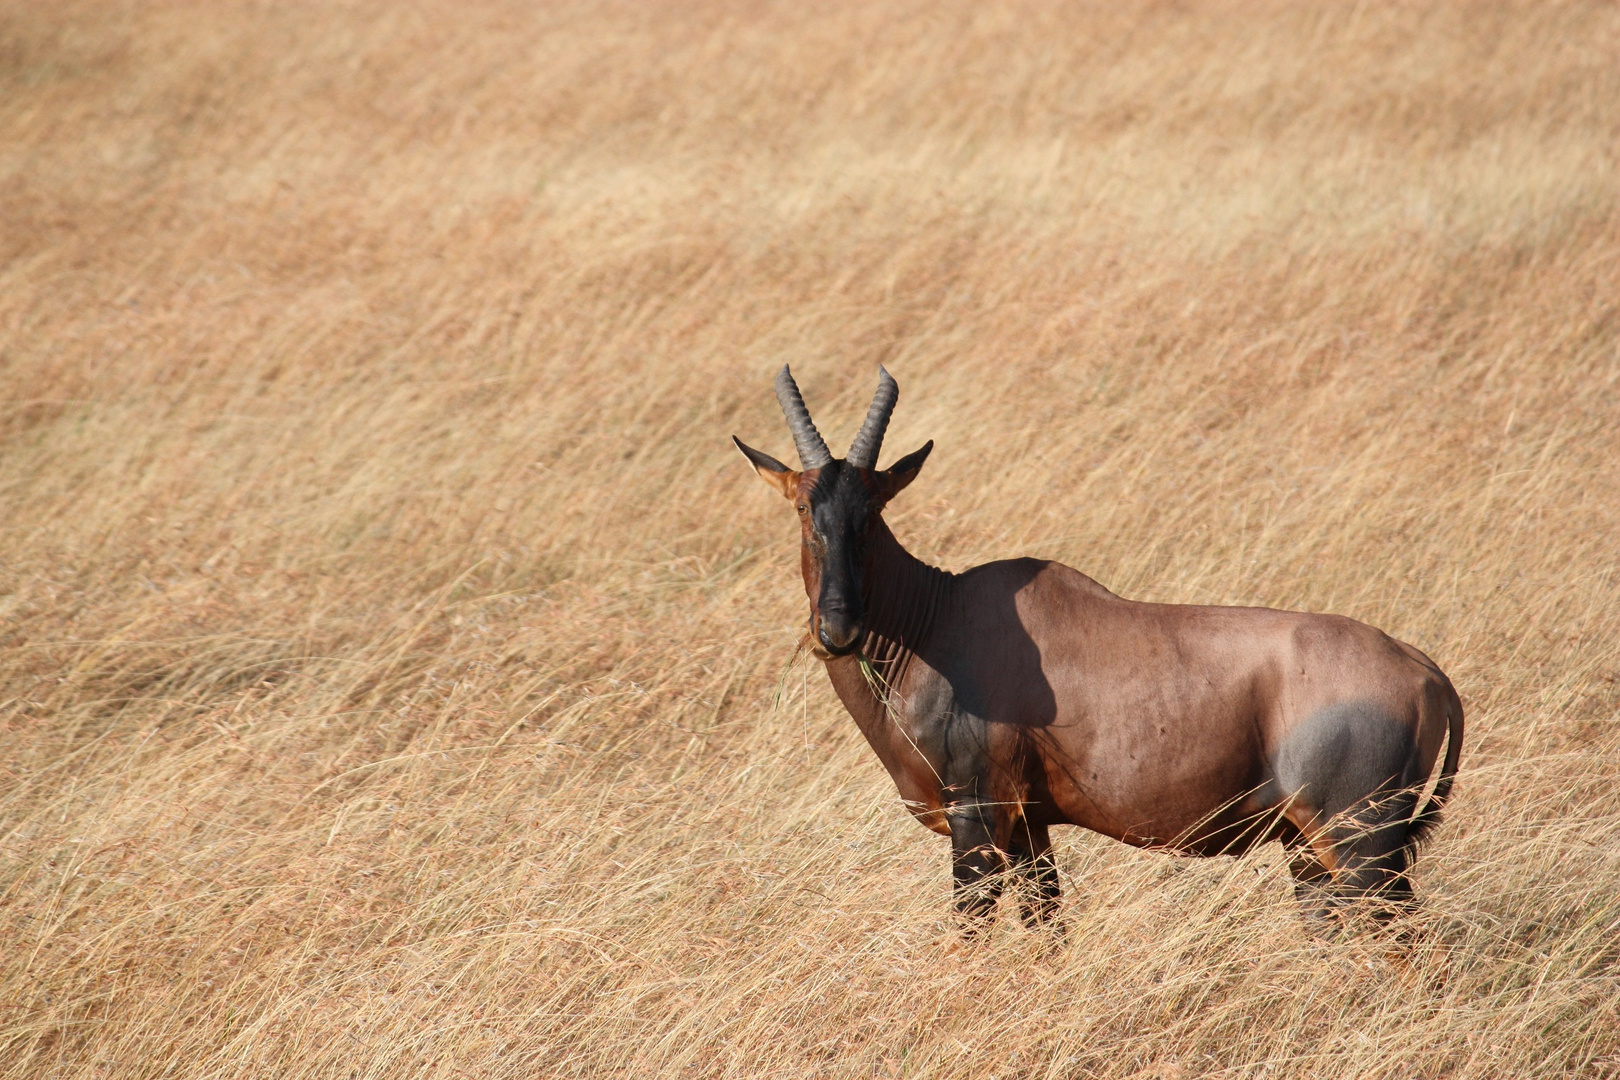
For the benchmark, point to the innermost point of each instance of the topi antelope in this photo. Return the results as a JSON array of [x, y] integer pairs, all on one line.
[[1020, 695]]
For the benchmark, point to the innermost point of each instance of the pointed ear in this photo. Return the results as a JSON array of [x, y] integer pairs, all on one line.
[[773, 472], [892, 481]]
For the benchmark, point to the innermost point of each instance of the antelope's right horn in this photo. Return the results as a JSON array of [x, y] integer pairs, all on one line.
[[813, 452]]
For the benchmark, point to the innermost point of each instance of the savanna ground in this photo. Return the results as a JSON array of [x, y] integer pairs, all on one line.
[[393, 677]]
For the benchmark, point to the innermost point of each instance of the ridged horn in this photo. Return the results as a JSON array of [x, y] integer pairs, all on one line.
[[813, 452], [869, 440]]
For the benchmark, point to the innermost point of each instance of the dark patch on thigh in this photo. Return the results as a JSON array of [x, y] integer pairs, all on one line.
[[1342, 755]]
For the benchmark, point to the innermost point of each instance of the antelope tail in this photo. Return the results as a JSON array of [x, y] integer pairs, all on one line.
[[1428, 817]]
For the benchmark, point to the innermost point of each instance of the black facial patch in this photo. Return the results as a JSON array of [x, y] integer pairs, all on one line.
[[840, 509], [839, 503]]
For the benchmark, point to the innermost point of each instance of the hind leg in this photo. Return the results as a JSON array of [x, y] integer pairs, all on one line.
[[1374, 854], [1360, 858], [1350, 770], [1313, 888]]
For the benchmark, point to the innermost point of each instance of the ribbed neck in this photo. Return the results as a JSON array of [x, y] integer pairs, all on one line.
[[902, 596]]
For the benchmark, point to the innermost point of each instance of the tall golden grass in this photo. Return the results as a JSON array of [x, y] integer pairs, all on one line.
[[393, 677]]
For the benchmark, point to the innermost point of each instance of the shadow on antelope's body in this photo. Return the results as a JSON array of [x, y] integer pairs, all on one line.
[[1020, 695]]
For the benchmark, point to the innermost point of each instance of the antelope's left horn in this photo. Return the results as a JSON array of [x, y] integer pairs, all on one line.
[[869, 440]]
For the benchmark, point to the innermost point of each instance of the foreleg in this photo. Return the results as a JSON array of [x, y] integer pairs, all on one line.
[[1035, 870], [977, 866]]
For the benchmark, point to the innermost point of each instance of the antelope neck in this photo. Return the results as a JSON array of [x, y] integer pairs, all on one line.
[[902, 595]]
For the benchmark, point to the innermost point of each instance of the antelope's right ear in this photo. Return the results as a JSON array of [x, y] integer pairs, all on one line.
[[773, 472]]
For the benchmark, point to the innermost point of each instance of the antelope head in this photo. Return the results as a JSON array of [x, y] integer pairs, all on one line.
[[840, 504]]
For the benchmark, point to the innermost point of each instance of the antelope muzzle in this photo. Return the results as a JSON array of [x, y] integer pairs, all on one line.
[[839, 628]]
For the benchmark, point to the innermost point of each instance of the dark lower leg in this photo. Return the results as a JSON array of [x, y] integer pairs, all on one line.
[[1378, 879], [976, 867], [1037, 878], [1369, 859], [1313, 888]]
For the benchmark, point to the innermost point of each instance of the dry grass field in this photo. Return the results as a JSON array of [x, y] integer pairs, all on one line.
[[394, 676]]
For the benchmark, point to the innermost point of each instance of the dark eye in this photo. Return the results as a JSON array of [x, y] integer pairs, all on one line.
[[804, 510]]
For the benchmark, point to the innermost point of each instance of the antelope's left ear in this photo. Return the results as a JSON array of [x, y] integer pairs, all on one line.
[[893, 480], [773, 472]]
